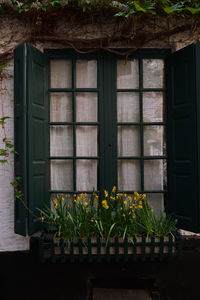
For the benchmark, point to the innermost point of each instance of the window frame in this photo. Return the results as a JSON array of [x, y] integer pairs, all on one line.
[[106, 75]]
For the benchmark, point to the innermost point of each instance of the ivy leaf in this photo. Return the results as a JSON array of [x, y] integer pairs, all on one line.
[[193, 10], [3, 152], [9, 145], [14, 152], [138, 7], [4, 118], [168, 10], [3, 161]]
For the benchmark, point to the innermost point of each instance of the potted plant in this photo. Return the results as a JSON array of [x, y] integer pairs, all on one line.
[[106, 225]]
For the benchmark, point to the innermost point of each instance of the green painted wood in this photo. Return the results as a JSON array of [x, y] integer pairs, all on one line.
[[109, 121], [38, 134], [116, 249], [72, 252], [179, 246], [152, 255], [90, 258], [183, 97], [125, 249], [170, 245], [108, 252], [80, 247], [62, 250], [135, 248], [52, 247], [161, 248], [98, 249], [31, 130], [41, 248], [143, 247], [20, 134]]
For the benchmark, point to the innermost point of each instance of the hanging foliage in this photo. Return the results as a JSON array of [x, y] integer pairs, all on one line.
[[123, 8]]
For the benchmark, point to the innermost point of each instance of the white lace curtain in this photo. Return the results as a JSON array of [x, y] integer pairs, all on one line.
[[128, 110]]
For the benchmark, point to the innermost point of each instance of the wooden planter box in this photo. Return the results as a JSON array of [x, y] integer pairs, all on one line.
[[94, 249]]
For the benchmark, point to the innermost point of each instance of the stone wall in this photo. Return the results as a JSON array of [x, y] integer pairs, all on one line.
[[77, 31]]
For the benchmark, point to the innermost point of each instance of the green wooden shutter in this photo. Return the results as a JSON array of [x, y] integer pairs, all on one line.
[[34, 137], [182, 74], [20, 135]]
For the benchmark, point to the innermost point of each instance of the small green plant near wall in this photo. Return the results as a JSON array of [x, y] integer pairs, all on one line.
[[105, 215], [8, 147]]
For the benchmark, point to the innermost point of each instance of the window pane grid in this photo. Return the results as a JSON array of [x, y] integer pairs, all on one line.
[[141, 157], [143, 127], [81, 160]]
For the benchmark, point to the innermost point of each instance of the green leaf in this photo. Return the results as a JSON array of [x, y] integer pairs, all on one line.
[[168, 10], [9, 145], [3, 152], [109, 233], [4, 118], [3, 161], [138, 7], [193, 10]]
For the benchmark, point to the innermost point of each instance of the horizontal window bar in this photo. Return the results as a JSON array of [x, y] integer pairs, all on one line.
[[145, 192], [74, 157], [70, 192], [142, 90], [142, 123], [77, 90], [143, 157], [124, 192], [75, 123]]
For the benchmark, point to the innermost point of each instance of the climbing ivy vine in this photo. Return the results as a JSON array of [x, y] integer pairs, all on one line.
[[7, 145], [124, 8]]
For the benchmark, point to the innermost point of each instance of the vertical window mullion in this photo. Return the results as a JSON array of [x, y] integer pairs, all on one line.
[[110, 128], [101, 123], [74, 120], [141, 122]]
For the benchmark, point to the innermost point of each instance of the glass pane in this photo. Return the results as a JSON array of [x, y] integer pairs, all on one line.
[[86, 107], [153, 73], [86, 175], [127, 74], [156, 201], [128, 107], [86, 141], [86, 74], [153, 107], [155, 174], [62, 175], [61, 107], [128, 141], [129, 175], [61, 141], [154, 140], [61, 73]]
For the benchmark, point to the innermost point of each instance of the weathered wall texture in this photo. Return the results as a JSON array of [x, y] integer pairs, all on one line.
[[8, 240], [92, 31]]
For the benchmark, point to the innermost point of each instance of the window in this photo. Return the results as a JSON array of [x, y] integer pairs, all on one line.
[[102, 122], [100, 139]]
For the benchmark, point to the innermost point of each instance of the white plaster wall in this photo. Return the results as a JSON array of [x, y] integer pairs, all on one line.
[[9, 241]]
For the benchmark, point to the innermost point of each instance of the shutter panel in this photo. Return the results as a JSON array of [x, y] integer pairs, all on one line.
[[35, 113], [182, 74], [20, 135]]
